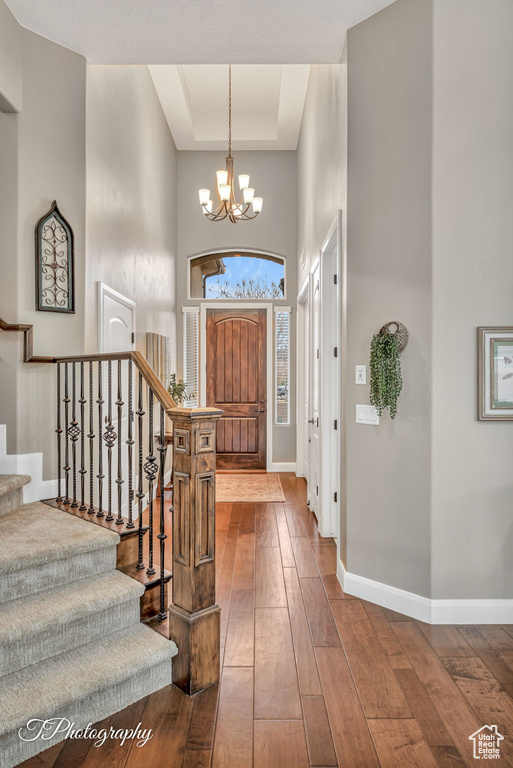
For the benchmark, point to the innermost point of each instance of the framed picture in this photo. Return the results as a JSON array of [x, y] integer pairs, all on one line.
[[495, 373]]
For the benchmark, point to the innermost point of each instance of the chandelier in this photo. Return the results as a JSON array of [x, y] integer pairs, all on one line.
[[228, 206]]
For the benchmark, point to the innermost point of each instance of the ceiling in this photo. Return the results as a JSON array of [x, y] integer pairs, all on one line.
[[198, 31], [267, 100]]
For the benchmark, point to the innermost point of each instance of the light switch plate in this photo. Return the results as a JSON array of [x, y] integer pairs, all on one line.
[[361, 374], [367, 414]]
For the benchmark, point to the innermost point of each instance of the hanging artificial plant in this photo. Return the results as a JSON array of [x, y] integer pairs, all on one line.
[[385, 372]]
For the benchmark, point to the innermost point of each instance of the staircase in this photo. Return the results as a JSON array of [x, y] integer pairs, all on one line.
[[71, 641]]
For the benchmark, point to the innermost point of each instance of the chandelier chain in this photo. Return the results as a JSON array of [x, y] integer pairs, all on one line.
[[229, 109]]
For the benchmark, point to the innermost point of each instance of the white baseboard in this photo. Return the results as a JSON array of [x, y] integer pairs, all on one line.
[[422, 608], [26, 464], [282, 466]]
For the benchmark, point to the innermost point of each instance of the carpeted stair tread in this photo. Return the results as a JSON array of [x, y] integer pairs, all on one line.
[[10, 483], [45, 689], [35, 534], [65, 604]]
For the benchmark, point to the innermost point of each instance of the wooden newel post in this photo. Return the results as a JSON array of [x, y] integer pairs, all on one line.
[[194, 616]]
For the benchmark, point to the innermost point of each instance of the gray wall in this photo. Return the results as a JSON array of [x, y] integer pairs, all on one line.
[[430, 180], [131, 199], [472, 524], [389, 278], [11, 53], [131, 190], [44, 146], [322, 192], [273, 174], [321, 159]]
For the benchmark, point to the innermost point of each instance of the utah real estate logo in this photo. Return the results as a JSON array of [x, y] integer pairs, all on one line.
[[487, 743]]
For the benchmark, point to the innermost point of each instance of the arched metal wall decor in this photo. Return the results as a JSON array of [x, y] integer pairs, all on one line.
[[55, 269]]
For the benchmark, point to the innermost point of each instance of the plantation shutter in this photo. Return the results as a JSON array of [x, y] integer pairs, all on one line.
[[191, 355], [282, 365]]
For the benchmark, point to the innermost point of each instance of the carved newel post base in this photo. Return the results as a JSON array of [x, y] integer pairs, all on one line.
[[194, 616]]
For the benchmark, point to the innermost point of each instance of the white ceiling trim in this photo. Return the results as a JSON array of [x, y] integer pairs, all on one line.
[[268, 103]]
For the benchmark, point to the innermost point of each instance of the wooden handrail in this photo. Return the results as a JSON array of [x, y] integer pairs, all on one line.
[[140, 363], [28, 344], [137, 358]]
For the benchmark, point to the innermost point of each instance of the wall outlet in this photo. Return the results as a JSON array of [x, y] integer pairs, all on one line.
[[361, 374], [367, 414]]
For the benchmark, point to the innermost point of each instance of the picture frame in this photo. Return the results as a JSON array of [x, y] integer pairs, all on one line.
[[495, 373], [55, 268]]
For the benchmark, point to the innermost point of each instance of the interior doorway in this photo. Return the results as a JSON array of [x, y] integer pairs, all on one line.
[[320, 357], [236, 368]]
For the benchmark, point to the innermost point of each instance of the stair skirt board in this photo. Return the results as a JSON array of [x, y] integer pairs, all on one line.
[[92, 709]]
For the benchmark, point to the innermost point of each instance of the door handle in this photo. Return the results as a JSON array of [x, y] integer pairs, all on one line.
[[310, 421], [260, 410]]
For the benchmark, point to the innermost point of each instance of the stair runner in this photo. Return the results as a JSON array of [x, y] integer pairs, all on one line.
[[71, 641]]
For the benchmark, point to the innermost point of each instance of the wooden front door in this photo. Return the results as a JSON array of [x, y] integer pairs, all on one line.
[[236, 382]]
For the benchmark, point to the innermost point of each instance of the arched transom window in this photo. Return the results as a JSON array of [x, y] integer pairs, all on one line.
[[237, 275]]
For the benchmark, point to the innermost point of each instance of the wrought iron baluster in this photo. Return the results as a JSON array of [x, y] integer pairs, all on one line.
[[59, 434], [100, 474], [90, 511], [74, 432], [140, 492], [110, 439], [162, 535], [130, 442], [67, 467], [83, 470], [120, 481], [151, 471]]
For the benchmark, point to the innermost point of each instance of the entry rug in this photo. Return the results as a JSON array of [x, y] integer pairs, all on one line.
[[235, 488]]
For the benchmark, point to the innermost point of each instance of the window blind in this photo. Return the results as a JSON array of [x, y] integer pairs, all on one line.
[[282, 365], [191, 355]]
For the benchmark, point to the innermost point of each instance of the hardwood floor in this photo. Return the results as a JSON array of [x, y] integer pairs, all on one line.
[[312, 676]]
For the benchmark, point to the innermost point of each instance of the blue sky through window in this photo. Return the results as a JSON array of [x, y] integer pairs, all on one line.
[[243, 268]]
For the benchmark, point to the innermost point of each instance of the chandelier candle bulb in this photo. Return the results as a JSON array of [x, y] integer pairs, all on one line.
[[243, 180], [222, 178], [248, 193], [204, 196], [224, 191], [257, 204]]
